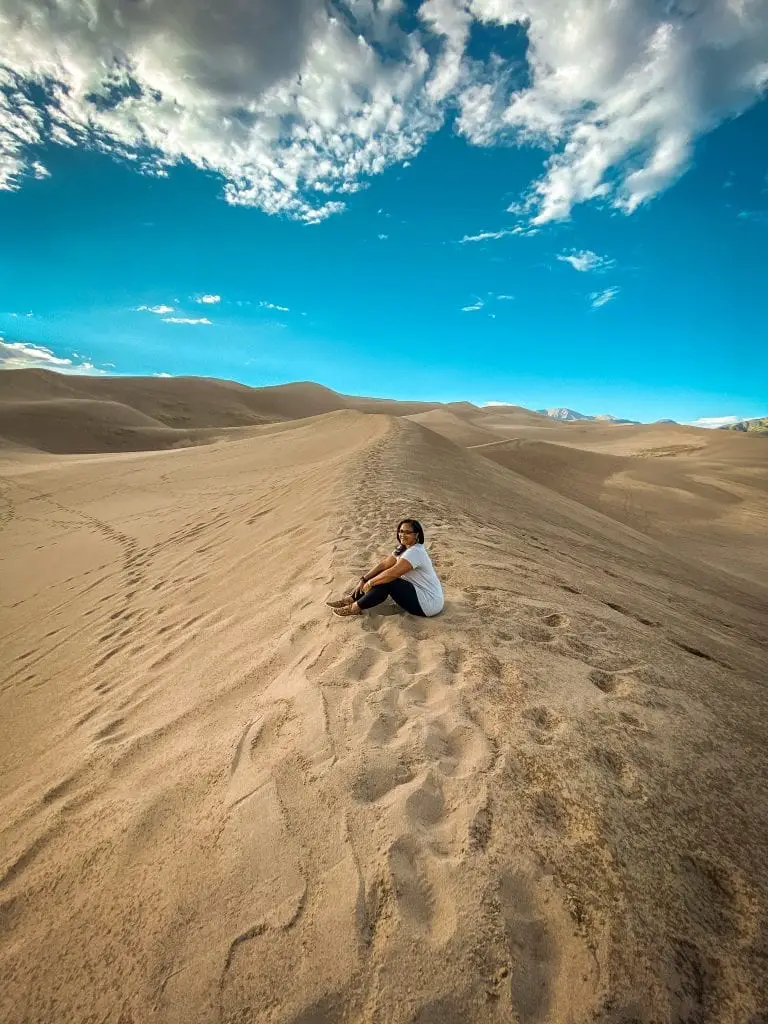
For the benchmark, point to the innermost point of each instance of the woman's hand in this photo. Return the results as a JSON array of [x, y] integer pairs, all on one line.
[[366, 586]]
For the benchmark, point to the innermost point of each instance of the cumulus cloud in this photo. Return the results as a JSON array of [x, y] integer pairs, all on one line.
[[208, 300], [296, 103], [598, 299], [158, 310], [187, 320], [584, 260], [275, 307], [24, 355], [472, 309]]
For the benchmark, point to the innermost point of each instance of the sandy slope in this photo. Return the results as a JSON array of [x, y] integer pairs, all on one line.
[[221, 803], [697, 490], [462, 430], [697, 502], [29, 398], [65, 425]]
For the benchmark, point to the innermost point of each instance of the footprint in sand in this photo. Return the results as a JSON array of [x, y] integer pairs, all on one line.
[[425, 804], [424, 691], [690, 982], [574, 647], [609, 682], [378, 772], [423, 906], [720, 895], [536, 634], [616, 766], [552, 975], [385, 727], [481, 828], [560, 816], [546, 720], [546, 616], [255, 750], [260, 838], [550, 813], [640, 684], [556, 621]]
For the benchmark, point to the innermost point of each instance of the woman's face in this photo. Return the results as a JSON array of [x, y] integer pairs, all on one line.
[[407, 535]]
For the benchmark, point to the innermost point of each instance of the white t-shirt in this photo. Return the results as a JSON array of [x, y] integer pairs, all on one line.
[[424, 578]]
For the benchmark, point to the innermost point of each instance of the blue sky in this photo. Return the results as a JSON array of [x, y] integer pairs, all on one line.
[[427, 212]]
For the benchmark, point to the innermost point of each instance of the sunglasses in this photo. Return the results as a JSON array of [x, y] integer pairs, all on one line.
[[405, 531]]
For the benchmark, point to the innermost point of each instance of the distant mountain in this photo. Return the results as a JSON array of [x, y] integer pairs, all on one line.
[[566, 415], [571, 416], [757, 426]]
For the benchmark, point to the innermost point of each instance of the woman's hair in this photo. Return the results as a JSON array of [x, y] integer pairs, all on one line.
[[414, 525]]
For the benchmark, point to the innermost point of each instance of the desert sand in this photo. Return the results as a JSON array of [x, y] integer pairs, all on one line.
[[221, 803]]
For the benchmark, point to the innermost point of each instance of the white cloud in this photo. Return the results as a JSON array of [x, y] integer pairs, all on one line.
[[490, 236], [585, 260], [599, 299], [24, 355], [472, 309], [382, 238], [187, 320], [162, 374], [275, 307], [503, 298], [296, 104], [208, 300], [712, 422], [159, 310]]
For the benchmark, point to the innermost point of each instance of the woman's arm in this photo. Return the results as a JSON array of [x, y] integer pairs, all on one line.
[[397, 567], [383, 565]]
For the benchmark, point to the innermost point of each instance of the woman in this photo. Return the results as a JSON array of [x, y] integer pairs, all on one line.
[[407, 576]]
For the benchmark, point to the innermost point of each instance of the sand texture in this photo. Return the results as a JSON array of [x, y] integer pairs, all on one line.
[[221, 803]]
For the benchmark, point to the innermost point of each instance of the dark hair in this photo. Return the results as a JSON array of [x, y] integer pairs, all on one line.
[[414, 525]]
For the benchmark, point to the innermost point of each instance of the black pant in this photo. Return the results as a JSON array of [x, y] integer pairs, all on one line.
[[401, 591]]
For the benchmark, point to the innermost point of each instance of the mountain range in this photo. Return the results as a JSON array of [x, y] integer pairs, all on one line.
[[756, 426], [570, 416]]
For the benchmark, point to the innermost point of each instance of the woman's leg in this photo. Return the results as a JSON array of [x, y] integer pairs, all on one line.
[[401, 591], [404, 593], [374, 596]]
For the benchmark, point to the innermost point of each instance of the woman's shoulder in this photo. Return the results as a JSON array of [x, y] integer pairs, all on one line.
[[418, 549]]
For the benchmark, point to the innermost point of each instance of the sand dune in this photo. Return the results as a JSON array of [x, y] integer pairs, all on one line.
[[645, 439], [65, 425], [462, 430], [695, 501], [185, 403], [218, 802], [504, 417]]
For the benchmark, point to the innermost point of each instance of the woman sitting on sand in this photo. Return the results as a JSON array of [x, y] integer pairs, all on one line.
[[407, 576]]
